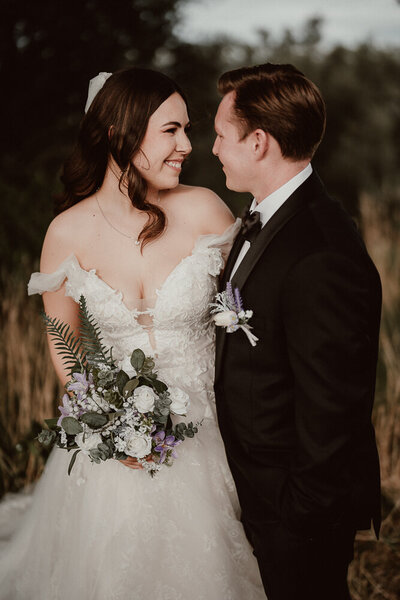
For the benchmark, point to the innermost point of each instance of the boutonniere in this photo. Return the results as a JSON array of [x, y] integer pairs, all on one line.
[[228, 312]]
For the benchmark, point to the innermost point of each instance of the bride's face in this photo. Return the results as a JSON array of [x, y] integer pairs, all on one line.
[[165, 145]]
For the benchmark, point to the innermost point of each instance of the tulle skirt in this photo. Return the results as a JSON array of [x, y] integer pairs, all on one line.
[[107, 532]]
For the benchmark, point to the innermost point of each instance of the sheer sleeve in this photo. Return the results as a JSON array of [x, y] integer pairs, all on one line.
[[223, 242], [50, 282]]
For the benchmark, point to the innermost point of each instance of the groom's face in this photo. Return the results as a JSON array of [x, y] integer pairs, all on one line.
[[232, 152]]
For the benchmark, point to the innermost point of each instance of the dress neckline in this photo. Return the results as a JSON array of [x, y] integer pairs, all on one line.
[[120, 294], [159, 290]]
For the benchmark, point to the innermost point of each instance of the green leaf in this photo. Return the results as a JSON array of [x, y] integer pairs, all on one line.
[[114, 415], [66, 344], [94, 420], [73, 459], [137, 359], [90, 336], [130, 386], [104, 451], [148, 366], [159, 386], [51, 423], [47, 437], [95, 455], [71, 426], [121, 379]]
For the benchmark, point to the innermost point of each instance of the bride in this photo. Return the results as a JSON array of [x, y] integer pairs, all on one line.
[[146, 252]]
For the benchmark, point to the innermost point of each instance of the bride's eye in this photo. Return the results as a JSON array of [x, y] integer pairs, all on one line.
[[171, 130]]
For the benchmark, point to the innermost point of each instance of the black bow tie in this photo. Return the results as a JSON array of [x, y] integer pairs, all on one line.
[[251, 225]]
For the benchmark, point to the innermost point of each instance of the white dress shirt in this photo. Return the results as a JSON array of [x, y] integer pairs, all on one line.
[[268, 207]]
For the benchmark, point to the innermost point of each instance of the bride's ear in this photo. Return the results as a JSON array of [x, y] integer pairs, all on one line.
[[260, 143]]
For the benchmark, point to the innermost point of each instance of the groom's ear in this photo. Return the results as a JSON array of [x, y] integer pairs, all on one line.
[[260, 143]]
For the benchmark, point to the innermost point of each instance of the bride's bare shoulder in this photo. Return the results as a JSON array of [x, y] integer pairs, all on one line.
[[67, 233], [205, 209]]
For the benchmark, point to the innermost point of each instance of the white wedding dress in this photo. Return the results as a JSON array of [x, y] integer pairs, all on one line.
[[107, 532]]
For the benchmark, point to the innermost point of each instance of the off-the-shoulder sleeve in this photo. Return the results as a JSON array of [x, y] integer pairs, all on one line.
[[50, 282], [224, 241]]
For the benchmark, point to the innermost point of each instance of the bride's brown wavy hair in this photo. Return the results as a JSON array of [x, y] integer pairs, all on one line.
[[115, 126]]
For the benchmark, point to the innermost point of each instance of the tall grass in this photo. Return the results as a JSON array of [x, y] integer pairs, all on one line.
[[28, 386], [29, 392], [374, 573]]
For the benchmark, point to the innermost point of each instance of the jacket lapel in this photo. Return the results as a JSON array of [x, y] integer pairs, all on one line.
[[234, 253], [287, 211]]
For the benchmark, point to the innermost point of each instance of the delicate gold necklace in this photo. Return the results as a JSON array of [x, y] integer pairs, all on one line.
[[135, 239]]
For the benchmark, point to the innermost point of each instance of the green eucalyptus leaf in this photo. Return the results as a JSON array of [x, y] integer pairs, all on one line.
[[137, 359], [94, 420], [148, 366], [130, 386], [46, 437], [118, 401], [95, 455], [51, 423], [71, 426], [72, 461], [159, 386], [122, 379], [121, 455]]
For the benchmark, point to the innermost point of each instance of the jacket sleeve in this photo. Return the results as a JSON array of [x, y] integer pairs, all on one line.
[[328, 322]]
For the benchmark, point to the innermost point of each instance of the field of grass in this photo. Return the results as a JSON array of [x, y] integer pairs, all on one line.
[[29, 392]]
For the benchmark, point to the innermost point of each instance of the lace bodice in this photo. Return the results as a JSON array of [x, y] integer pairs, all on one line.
[[91, 526], [181, 334]]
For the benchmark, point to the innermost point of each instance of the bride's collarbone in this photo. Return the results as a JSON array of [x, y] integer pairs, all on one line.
[[138, 272]]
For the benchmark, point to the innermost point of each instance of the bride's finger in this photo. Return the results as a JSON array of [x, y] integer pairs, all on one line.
[[131, 463]]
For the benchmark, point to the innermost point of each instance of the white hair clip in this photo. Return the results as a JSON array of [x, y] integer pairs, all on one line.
[[95, 86]]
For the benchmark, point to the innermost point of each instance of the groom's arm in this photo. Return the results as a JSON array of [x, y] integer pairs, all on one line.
[[330, 307]]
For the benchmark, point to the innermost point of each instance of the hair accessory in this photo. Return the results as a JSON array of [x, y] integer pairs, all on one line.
[[95, 86]]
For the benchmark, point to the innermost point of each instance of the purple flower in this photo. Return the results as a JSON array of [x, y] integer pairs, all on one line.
[[230, 296], [165, 445], [66, 409], [81, 384], [238, 299]]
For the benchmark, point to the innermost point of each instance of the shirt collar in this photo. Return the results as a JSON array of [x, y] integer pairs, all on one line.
[[268, 207]]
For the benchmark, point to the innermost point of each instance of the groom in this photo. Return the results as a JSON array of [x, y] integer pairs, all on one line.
[[295, 410]]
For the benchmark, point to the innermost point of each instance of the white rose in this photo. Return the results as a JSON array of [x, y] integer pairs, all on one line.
[[226, 318], [137, 444], [126, 366], [88, 441], [144, 398], [180, 401]]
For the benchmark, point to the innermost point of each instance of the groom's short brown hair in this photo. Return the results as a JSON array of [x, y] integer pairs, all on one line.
[[280, 100]]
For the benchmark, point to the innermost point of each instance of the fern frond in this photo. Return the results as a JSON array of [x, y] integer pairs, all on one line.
[[90, 337], [67, 345]]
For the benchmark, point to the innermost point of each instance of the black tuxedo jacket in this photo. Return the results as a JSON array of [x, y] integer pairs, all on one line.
[[295, 410]]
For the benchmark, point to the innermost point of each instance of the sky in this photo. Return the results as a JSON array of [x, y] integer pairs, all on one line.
[[346, 22]]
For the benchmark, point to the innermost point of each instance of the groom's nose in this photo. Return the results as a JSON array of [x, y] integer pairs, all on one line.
[[216, 146]]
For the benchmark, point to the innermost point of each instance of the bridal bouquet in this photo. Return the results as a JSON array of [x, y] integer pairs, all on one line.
[[107, 413]]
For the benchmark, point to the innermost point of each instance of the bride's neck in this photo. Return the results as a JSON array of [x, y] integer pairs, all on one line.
[[115, 196], [111, 194]]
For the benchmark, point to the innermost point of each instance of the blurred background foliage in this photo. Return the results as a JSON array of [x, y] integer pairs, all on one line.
[[49, 49]]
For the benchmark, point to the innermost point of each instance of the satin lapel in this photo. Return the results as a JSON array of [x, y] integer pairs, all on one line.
[[220, 331], [311, 188], [234, 253], [287, 211]]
